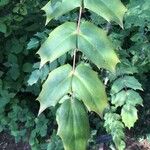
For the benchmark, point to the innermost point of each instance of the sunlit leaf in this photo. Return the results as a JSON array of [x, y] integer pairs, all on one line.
[[126, 82], [119, 99], [55, 87], [33, 44], [89, 89], [94, 44], [61, 40], [59, 8], [111, 10], [83, 84], [134, 98], [34, 77], [73, 125], [115, 127], [129, 97], [129, 115], [105, 8]]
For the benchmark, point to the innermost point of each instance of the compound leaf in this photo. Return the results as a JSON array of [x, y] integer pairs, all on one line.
[[73, 125], [108, 9], [88, 88], [55, 87], [115, 127], [129, 115]]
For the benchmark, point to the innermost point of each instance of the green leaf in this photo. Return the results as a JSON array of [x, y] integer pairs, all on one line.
[[5, 98], [14, 72], [12, 59], [108, 9], [55, 143], [129, 115], [34, 77], [59, 8], [125, 82], [33, 44], [40, 73], [3, 27], [1, 73], [27, 67], [88, 88], [84, 84], [94, 44], [16, 46], [124, 68], [73, 125], [120, 144], [57, 85], [115, 127], [61, 40], [105, 8], [44, 72], [3, 2], [129, 97], [133, 98], [119, 99]]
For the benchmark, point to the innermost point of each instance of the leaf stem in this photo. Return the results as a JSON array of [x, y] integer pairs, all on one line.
[[78, 30]]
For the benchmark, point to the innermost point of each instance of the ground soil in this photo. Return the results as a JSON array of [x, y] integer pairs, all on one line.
[[136, 145], [7, 143]]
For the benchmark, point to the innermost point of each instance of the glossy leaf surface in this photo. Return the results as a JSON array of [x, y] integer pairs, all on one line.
[[111, 10], [134, 98], [105, 8], [129, 115], [55, 87], [94, 44], [73, 125], [55, 10], [88, 88], [84, 83], [61, 40]]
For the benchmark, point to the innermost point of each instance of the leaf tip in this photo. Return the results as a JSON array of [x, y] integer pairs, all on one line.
[[47, 21], [121, 24], [43, 60], [41, 109]]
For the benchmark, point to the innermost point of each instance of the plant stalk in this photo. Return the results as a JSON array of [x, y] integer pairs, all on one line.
[[78, 30]]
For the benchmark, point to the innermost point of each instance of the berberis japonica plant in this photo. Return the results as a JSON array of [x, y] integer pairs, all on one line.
[[76, 86]]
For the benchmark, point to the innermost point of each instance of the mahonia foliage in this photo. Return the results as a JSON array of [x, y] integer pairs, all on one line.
[[115, 127], [124, 95], [78, 88]]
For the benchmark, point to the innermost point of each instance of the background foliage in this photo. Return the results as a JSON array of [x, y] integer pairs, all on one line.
[[22, 30]]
